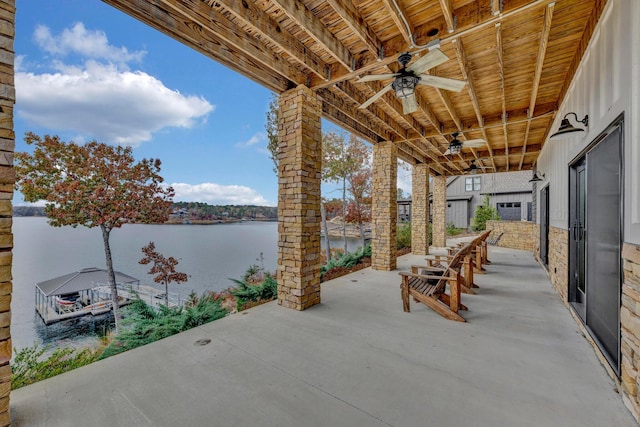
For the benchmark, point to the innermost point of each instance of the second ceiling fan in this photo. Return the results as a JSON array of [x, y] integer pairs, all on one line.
[[409, 76]]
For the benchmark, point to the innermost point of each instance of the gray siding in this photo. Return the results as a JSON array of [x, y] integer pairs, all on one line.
[[458, 213]]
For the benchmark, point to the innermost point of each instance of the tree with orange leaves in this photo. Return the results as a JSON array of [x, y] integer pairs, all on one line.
[[163, 268], [92, 185]]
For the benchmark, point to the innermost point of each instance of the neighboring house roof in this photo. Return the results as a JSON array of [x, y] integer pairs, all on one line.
[[454, 198], [82, 280], [509, 182]]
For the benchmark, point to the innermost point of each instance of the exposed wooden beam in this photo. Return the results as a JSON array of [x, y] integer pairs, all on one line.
[[498, 153], [447, 12], [500, 52], [304, 18], [339, 118], [267, 27], [470, 18], [214, 25], [399, 16], [513, 117], [448, 105], [496, 7], [354, 21], [542, 50], [355, 114], [156, 15], [466, 74]]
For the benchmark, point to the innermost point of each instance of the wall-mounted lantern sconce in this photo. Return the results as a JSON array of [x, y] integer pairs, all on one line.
[[566, 127], [537, 177]]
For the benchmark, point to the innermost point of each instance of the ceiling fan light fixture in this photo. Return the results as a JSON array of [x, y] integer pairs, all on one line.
[[455, 146], [404, 86]]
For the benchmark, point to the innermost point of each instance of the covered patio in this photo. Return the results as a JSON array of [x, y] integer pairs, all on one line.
[[494, 79], [356, 359]]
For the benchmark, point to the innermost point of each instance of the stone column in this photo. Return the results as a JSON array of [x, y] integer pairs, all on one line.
[[439, 211], [299, 174], [384, 206], [420, 210], [7, 180]]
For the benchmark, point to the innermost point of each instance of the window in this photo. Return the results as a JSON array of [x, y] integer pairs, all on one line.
[[472, 183]]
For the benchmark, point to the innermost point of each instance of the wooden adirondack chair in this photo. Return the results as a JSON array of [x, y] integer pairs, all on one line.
[[461, 259], [429, 289]]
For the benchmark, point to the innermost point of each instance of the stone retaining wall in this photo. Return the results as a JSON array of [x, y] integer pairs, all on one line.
[[559, 261], [630, 324], [517, 234]]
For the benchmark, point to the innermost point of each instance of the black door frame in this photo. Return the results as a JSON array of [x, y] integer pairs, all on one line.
[[571, 292], [544, 221]]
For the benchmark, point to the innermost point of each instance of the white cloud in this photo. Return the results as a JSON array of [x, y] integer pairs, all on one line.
[[79, 40], [217, 194], [258, 137], [100, 101]]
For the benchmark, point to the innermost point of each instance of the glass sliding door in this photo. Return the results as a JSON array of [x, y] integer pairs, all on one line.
[[595, 240]]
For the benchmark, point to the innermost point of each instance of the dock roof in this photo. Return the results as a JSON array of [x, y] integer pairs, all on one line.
[[87, 278]]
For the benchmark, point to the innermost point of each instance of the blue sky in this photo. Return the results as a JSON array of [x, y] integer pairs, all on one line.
[[85, 70]]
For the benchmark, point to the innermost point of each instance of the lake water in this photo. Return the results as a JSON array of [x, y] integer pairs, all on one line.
[[209, 254]]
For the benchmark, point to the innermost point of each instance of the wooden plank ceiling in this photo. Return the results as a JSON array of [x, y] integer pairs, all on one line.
[[516, 56]]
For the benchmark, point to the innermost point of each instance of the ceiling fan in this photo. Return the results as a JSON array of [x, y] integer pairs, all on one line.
[[408, 77], [474, 167], [456, 145]]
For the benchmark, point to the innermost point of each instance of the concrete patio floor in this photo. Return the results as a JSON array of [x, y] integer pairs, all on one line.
[[355, 360]]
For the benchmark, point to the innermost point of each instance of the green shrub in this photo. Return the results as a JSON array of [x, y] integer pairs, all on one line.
[[347, 260], [452, 230], [245, 291], [484, 213], [403, 235], [144, 325], [28, 366]]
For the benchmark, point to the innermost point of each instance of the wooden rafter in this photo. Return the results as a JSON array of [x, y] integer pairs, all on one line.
[[312, 25], [496, 7], [466, 74], [514, 117], [399, 16], [267, 27], [284, 43], [542, 50], [354, 21], [471, 18], [499, 52], [151, 13], [447, 12]]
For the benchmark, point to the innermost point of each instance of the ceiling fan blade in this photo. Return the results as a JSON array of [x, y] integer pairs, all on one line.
[[432, 59], [409, 104], [474, 143], [442, 82], [374, 77], [446, 153], [375, 97]]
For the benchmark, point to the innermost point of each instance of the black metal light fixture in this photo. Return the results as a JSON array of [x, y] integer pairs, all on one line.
[[455, 146], [566, 127], [404, 86], [537, 177]]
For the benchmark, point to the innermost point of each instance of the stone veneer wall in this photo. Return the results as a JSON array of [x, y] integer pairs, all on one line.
[[439, 211], [559, 261], [536, 240], [630, 325], [299, 173], [7, 179], [517, 234], [420, 210], [384, 206]]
